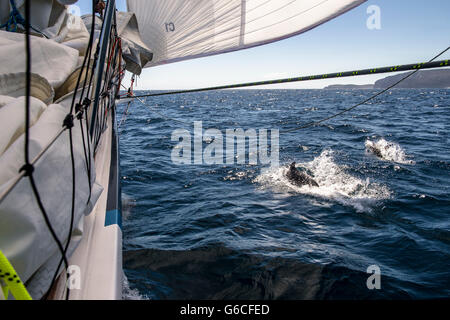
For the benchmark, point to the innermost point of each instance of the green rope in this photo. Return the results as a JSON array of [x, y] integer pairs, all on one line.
[[10, 281], [406, 67]]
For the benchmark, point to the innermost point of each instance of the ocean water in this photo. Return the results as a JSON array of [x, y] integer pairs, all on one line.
[[243, 231]]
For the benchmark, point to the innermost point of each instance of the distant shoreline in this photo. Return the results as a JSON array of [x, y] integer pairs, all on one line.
[[424, 79]]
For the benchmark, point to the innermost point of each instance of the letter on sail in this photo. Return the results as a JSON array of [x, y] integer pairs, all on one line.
[[177, 30]]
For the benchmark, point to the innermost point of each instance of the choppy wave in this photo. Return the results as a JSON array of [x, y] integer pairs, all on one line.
[[334, 183], [241, 231], [220, 273], [389, 151]]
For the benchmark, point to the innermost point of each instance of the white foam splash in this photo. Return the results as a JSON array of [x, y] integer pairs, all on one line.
[[334, 183], [128, 293], [238, 175], [389, 151]]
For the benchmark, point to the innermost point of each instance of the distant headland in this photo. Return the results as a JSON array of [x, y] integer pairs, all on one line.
[[439, 79]]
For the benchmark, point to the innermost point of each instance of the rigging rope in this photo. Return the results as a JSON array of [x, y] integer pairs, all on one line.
[[380, 70], [28, 167], [313, 123]]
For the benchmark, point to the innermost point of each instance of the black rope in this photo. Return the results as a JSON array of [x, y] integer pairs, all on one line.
[[28, 167], [406, 67], [69, 124], [87, 102], [72, 215], [113, 50], [84, 105], [28, 85], [107, 24], [86, 157], [313, 123]]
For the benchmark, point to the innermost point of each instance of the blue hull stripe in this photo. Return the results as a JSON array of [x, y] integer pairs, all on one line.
[[113, 217]]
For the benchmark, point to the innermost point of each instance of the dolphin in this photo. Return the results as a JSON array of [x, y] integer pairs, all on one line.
[[299, 178], [377, 150]]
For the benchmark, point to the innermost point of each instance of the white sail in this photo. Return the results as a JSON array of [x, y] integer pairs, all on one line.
[[177, 30]]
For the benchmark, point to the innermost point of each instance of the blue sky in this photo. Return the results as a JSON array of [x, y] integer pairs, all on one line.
[[411, 31]]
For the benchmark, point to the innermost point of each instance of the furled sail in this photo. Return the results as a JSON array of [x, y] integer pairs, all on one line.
[[177, 30]]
